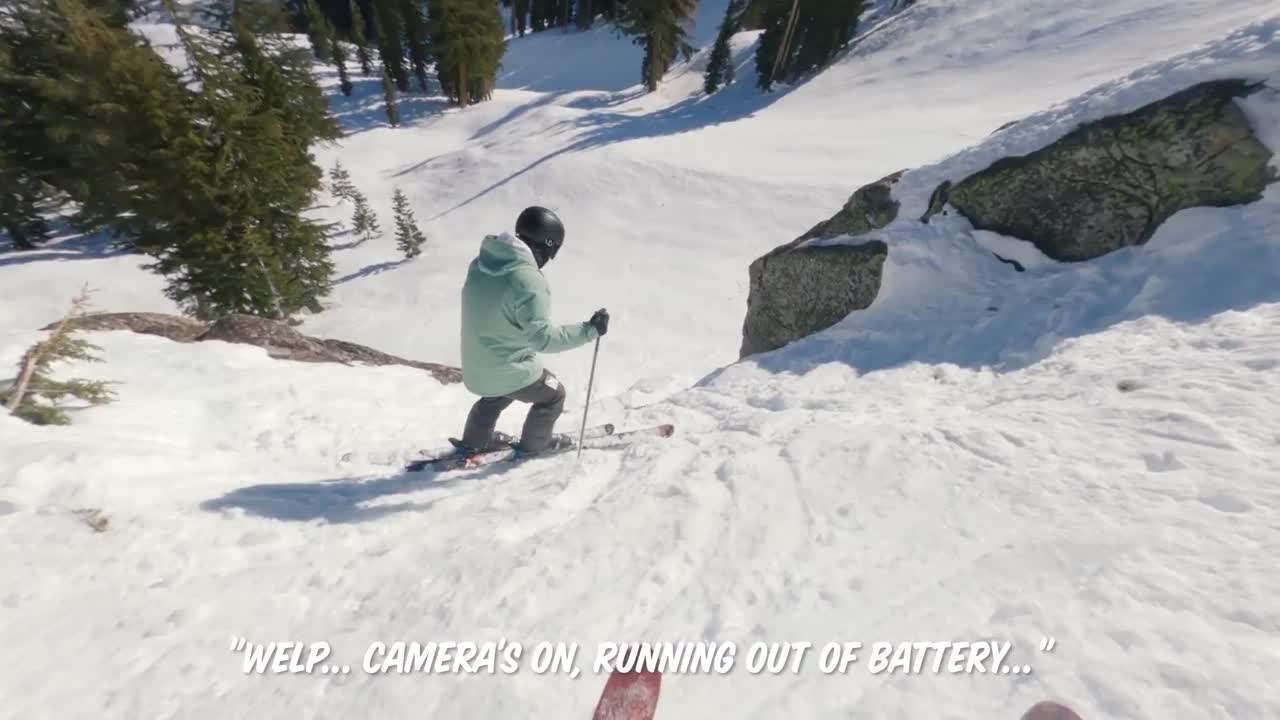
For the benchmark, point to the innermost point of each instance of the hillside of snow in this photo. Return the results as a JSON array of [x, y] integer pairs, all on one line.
[[1095, 461]]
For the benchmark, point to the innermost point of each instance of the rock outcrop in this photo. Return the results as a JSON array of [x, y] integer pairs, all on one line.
[[798, 289], [277, 338], [174, 327], [1110, 183], [1104, 186]]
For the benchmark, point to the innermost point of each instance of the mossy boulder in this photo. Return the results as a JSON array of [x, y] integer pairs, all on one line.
[[798, 289], [869, 208], [804, 290], [1110, 184]]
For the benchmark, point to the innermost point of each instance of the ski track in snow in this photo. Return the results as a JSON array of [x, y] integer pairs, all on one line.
[[927, 502], [1093, 461]]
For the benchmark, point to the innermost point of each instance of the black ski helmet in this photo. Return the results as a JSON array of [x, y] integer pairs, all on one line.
[[541, 230]]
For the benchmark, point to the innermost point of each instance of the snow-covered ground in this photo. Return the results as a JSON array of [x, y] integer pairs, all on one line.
[[1095, 460]]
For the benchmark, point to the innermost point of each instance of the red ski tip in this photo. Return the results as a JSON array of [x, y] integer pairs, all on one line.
[[629, 696], [1049, 710], [666, 430]]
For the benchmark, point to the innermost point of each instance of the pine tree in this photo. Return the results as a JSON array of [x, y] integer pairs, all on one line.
[[753, 14], [389, 96], [359, 36], [319, 32], [34, 394], [585, 14], [88, 113], [340, 185], [467, 43], [802, 36], [340, 59], [364, 222], [390, 24], [720, 64], [209, 177], [660, 27], [242, 244], [20, 198], [415, 26], [409, 238], [778, 18], [520, 17]]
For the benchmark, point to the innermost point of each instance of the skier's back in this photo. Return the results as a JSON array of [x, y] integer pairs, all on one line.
[[506, 307]]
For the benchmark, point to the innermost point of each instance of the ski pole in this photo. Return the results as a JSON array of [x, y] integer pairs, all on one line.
[[590, 381]]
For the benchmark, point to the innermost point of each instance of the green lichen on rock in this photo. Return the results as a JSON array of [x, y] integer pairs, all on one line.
[[799, 289], [1111, 183], [871, 207], [805, 290]]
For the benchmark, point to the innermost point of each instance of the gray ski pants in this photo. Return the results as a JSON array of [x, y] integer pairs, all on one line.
[[547, 397]]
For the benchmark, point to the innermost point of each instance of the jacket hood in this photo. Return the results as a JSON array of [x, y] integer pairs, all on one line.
[[501, 254]]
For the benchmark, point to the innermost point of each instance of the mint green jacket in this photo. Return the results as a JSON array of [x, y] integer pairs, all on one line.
[[506, 308]]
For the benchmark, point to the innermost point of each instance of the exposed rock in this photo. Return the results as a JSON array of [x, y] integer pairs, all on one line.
[[173, 327], [800, 291], [796, 291], [870, 207], [1005, 126], [1109, 184], [277, 338], [282, 341], [937, 201]]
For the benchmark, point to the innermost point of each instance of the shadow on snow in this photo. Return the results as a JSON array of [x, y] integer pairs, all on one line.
[[341, 500], [606, 128], [67, 244], [371, 270]]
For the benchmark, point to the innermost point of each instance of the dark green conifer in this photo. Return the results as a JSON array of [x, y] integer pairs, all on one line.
[[340, 185], [364, 221], [660, 27], [409, 238], [340, 60], [390, 24], [319, 32], [360, 36], [467, 43], [720, 65], [415, 28], [34, 395]]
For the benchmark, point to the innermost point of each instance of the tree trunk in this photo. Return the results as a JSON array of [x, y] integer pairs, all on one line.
[[464, 92], [784, 47]]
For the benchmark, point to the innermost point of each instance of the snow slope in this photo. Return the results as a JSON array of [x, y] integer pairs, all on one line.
[[1093, 461]]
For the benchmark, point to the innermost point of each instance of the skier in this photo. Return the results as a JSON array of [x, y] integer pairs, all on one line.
[[506, 307]]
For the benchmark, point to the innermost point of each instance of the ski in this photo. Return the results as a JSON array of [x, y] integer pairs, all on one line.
[[425, 457], [629, 696], [441, 454], [563, 443]]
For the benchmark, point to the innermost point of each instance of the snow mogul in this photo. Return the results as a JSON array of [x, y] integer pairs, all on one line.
[[506, 323]]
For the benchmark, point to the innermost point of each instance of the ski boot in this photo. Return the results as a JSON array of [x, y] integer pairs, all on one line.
[[499, 441], [558, 442]]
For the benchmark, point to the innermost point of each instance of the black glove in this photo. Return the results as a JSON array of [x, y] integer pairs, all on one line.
[[600, 321]]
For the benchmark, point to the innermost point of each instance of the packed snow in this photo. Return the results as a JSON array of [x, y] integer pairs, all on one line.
[[1087, 452]]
